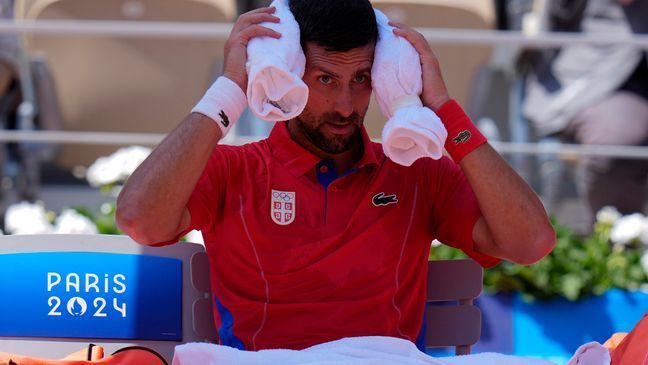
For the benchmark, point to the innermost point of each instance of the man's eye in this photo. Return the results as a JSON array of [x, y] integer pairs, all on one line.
[[361, 79], [325, 79]]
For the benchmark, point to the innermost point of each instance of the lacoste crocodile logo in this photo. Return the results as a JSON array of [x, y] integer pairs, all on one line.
[[382, 199], [462, 137], [224, 118]]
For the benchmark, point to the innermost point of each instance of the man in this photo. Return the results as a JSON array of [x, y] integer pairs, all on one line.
[[9, 87], [313, 234], [8, 50]]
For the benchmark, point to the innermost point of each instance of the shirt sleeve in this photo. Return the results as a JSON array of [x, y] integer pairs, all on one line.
[[205, 204], [455, 210]]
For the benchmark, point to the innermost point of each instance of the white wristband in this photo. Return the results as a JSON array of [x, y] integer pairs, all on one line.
[[223, 102]]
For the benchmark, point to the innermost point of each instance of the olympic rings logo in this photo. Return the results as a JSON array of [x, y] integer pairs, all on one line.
[[285, 196]]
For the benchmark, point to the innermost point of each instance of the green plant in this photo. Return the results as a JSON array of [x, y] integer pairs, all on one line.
[[104, 219], [576, 268]]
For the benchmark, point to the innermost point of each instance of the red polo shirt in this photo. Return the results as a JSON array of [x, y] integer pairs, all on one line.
[[301, 256]]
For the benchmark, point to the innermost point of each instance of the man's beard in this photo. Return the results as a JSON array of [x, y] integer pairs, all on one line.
[[313, 126]]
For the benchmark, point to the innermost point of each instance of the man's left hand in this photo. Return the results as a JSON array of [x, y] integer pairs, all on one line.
[[435, 92]]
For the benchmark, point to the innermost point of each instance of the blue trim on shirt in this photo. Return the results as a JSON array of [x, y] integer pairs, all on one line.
[[349, 171], [420, 340], [225, 332], [326, 174], [326, 177], [330, 172]]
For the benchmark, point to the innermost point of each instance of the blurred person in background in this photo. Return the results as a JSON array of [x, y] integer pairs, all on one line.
[[8, 49], [596, 95], [9, 81], [25, 81], [8, 63]]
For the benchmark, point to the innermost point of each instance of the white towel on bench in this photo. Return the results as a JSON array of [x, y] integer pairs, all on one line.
[[372, 350]]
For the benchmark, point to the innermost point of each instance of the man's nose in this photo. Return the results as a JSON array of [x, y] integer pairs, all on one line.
[[344, 102]]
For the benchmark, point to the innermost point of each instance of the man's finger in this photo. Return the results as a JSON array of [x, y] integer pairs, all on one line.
[[255, 16], [259, 18], [415, 38], [410, 34], [405, 34], [258, 31], [268, 9]]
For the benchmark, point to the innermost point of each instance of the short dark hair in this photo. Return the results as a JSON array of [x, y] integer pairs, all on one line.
[[336, 25]]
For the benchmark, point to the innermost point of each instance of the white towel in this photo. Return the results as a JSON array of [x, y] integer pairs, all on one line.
[[371, 350], [493, 358], [275, 90], [591, 353], [412, 130]]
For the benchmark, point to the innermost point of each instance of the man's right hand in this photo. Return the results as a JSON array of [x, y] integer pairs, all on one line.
[[247, 26]]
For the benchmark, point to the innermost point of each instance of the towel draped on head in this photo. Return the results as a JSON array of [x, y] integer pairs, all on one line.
[[412, 130], [276, 91], [275, 67]]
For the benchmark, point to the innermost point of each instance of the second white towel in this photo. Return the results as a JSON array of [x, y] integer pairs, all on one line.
[[275, 89], [412, 131]]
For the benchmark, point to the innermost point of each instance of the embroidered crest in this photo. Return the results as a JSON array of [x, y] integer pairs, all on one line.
[[282, 207], [382, 199]]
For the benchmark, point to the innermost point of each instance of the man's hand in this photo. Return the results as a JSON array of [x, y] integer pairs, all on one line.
[[246, 27], [514, 225], [434, 93]]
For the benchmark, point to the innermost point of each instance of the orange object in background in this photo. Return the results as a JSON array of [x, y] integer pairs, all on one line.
[[615, 340], [633, 348], [93, 355]]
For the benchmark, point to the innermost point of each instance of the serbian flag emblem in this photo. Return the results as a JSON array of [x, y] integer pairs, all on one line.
[[282, 207]]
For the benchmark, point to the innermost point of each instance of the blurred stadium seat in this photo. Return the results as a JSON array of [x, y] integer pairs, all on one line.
[[117, 84]]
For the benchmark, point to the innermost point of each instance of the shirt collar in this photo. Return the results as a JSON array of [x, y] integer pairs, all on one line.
[[299, 161]]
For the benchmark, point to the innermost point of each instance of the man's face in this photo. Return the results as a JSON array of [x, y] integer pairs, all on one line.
[[339, 91]]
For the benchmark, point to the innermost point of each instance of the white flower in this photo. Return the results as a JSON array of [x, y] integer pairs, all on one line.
[[629, 228], [102, 172], [130, 157], [436, 243], [70, 221], [27, 218], [608, 214], [195, 236], [116, 167], [106, 208], [644, 262]]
